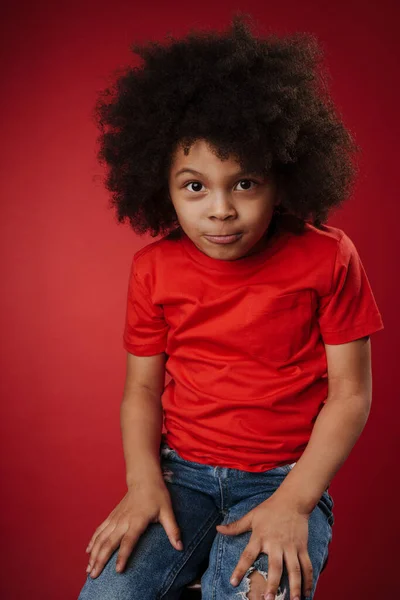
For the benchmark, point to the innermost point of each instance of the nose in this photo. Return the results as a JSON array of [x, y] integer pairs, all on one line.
[[222, 207]]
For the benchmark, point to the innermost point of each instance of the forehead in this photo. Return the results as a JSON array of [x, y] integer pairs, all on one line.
[[201, 153], [202, 159]]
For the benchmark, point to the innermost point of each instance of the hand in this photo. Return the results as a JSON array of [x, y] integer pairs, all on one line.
[[281, 531], [143, 503]]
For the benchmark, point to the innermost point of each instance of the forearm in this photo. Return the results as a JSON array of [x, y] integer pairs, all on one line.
[[141, 418], [336, 430]]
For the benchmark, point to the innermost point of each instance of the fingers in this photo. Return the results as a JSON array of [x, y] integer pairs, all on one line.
[[300, 572], [247, 558], [294, 572], [128, 542], [308, 576], [103, 546], [96, 533], [124, 536], [299, 567], [168, 521], [275, 568]]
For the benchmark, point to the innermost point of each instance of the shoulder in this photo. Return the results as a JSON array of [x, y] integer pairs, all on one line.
[[315, 253], [324, 243], [324, 237], [333, 243], [304, 233], [156, 255]]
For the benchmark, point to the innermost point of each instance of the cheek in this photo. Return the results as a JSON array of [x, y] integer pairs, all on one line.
[[259, 209], [258, 219], [189, 213]]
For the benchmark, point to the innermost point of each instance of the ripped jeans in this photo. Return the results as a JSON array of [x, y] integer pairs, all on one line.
[[203, 496]]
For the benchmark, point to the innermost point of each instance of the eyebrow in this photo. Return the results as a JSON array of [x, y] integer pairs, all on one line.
[[187, 170]]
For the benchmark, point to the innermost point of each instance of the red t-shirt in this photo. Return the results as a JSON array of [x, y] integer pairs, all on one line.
[[245, 340]]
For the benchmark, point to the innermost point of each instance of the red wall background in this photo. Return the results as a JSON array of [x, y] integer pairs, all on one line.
[[65, 274]]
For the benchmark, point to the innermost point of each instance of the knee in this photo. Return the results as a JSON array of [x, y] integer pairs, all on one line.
[[258, 588], [102, 588]]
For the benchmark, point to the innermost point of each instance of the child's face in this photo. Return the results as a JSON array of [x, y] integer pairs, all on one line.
[[220, 201]]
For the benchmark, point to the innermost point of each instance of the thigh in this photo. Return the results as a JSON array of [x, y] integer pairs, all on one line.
[[155, 569], [226, 551]]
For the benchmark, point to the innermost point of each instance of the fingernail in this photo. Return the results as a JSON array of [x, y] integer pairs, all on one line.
[[88, 569], [234, 581], [297, 598], [179, 545], [272, 597]]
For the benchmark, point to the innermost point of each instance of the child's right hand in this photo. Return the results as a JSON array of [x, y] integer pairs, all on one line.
[[144, 503]]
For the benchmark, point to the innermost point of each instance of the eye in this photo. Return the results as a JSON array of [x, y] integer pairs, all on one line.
[[191, 183], [248, 181], [239, 182]]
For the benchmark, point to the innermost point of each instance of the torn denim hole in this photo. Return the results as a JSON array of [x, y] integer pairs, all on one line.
[[167, 474], [246, 579], [165, 451]]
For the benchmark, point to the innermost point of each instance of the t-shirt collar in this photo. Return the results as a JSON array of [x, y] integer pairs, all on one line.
[[245, 263]]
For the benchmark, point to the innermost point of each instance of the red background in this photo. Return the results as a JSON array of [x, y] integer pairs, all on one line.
[[66, 268]]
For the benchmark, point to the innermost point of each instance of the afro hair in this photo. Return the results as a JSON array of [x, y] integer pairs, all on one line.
[[262, 99]]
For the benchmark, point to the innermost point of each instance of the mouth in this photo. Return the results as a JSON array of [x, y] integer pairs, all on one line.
[[224, 239], [223, 234]]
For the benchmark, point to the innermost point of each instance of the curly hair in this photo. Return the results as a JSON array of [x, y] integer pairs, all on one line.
[[263, 100]]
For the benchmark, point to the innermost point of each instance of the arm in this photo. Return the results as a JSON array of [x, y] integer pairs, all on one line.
[[338, 425], [142, 416], [147, 499], [279, 525]]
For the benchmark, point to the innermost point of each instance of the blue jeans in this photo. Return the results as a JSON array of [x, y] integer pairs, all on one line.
[[203, 496]]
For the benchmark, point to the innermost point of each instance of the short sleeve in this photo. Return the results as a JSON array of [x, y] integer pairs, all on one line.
[[146, 330], [349, 311]]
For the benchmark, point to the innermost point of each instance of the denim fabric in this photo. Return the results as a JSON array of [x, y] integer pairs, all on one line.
[[203, 496]]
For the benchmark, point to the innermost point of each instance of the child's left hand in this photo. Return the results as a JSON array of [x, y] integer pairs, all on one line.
[[280, 530]]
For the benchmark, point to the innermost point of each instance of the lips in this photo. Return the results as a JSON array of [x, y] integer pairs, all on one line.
[[224, 239], [222, 235]]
